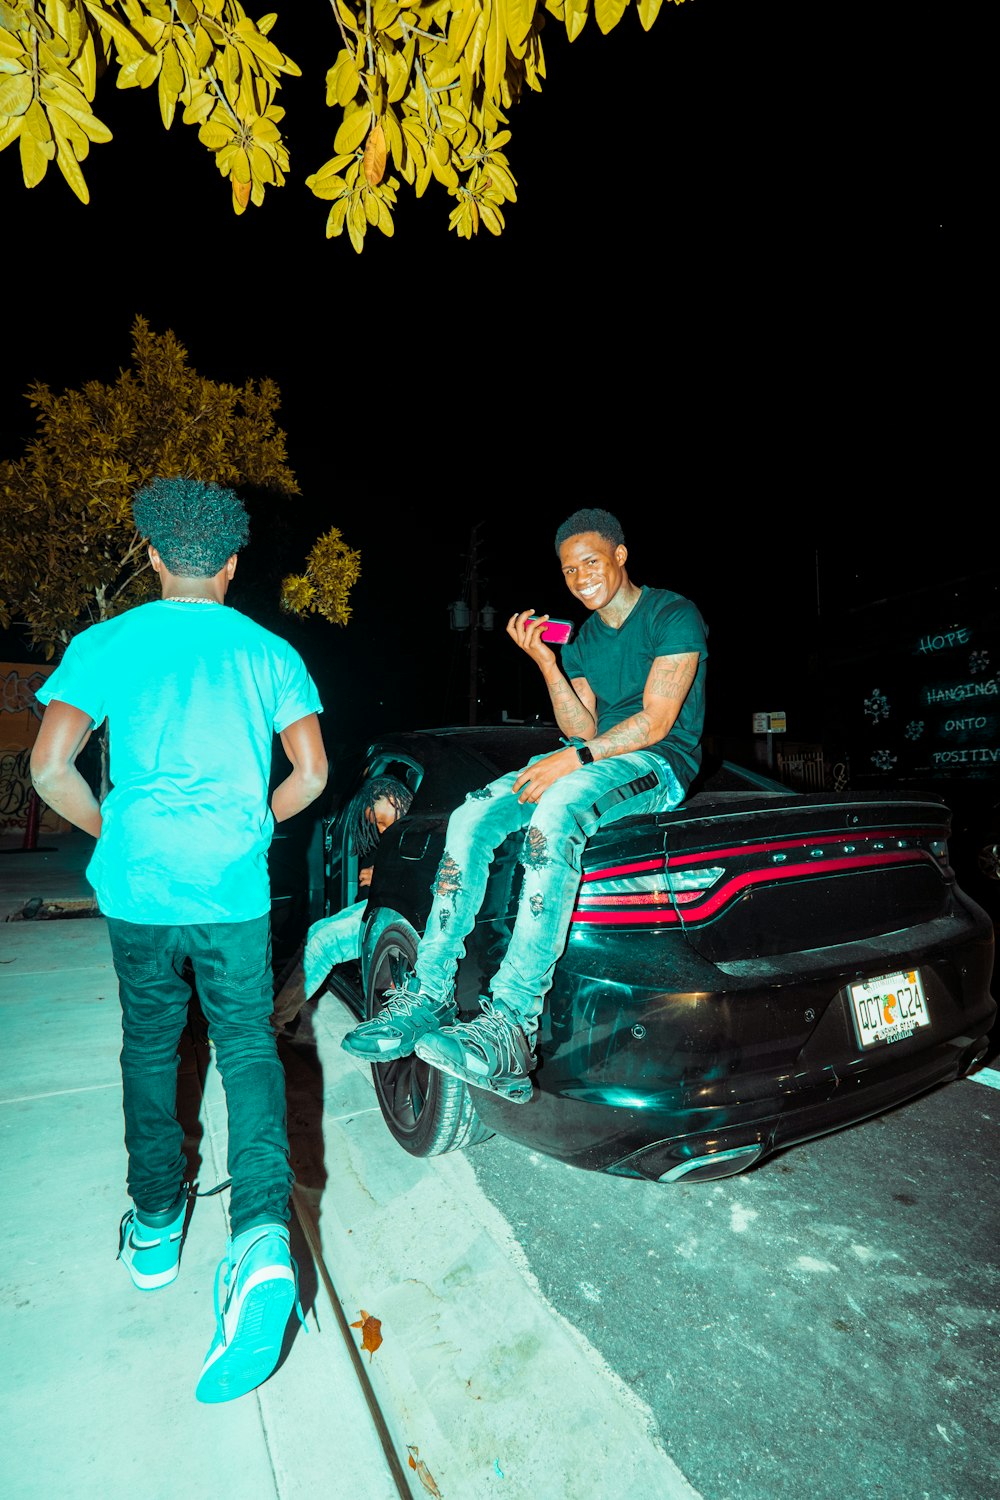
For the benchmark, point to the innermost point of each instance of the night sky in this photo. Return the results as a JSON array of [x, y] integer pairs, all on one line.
[[693, 317]]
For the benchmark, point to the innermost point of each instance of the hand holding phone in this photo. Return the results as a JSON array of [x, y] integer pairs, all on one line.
[[556, 632]]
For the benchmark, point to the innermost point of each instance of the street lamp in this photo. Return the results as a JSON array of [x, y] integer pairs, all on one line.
[[459, 615]]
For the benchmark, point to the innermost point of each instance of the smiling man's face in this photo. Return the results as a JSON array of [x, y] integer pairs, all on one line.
[[593, 568]]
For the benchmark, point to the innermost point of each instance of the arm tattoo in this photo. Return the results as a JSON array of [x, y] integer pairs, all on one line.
[[670, 677], [668, 683], [573, 716], [630, 734]]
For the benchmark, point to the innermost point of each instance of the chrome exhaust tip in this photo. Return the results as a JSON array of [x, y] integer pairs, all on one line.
[[973, 1056], [715, 1164]]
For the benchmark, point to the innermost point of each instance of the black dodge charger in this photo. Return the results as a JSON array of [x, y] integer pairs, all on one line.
[[756, 967]]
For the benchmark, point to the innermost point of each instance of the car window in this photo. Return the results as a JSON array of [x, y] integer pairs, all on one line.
[[406, 771]]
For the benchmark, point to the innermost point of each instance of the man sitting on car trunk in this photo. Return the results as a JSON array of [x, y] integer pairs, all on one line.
[[629, 697]]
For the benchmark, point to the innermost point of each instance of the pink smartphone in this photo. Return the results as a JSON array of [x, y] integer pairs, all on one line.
[[556, 632]]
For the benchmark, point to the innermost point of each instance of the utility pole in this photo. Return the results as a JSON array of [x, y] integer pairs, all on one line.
[[474, 619], [466, 614]]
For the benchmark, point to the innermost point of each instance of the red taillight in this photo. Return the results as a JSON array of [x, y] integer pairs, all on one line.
[[691, 888], [659, 887]]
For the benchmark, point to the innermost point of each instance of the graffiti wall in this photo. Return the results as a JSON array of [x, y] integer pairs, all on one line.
[[20, 715]]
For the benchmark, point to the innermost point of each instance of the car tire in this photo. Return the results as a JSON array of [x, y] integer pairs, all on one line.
[[989, 861], [427, 1112]]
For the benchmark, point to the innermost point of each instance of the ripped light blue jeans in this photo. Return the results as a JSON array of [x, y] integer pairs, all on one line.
[[556, 831], [331, 941]]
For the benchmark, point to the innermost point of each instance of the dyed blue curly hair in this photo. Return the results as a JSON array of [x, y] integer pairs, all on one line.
[[194, 526]]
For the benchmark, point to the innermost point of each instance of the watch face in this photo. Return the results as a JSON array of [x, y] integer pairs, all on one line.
[[586, 755]]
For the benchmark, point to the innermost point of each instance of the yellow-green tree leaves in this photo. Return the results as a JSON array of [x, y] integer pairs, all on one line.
[[332, 570], [205, 56], [69, 551], [374, 155], [607, 13], [423, 87]]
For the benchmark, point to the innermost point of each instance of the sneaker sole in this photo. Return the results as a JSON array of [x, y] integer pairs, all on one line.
[[384, 1054], [517, 1090], [234, 1369], [391, 1053], [153, 1281]]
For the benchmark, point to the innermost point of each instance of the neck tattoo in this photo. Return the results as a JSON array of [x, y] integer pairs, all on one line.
[[617, 616]]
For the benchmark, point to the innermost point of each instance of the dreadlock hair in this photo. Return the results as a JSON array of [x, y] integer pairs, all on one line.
[[361, 809], [602, 521], [194, 526]]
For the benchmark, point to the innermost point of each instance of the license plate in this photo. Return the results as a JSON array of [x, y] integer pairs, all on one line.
[[889, 1008]]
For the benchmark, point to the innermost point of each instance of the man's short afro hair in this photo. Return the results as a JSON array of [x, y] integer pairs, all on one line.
[[194, 526], [590, 519]]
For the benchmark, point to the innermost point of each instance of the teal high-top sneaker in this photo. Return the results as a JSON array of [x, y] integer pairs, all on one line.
[[150, 1244], [256, 1287]]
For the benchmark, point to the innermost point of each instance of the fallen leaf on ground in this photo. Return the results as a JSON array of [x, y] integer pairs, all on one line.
[[371, 1336], [422, 1471]]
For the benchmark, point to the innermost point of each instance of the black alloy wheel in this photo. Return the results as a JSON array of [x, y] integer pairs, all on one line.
[[989, 861], [427, 1111]]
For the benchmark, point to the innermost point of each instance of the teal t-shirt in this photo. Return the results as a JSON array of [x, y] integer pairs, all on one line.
[[616, 664], [193, 695]]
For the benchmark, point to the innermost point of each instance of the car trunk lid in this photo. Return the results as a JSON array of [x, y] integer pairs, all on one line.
[[759, 874]]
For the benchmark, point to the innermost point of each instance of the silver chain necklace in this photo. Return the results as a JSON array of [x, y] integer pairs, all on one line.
[[184, 599]]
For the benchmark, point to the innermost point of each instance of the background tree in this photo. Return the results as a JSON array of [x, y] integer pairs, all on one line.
[[69, 551], [422, 89], [332, 569]]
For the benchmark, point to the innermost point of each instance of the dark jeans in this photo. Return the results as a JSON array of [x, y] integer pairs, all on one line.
[[232, 969]]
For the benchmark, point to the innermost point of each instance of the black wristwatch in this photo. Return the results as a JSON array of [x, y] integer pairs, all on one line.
[[585, 753]]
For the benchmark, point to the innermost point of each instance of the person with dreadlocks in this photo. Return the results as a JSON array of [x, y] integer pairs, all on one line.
[[193, 694], [375, 807]]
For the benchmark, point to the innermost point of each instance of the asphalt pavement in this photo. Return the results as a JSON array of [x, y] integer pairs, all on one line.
[[488, 1323]]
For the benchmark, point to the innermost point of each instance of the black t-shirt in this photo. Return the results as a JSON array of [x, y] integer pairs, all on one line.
[[616, 664]]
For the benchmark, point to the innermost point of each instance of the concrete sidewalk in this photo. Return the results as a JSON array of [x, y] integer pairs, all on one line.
[[98, 1378], [478, 1387]]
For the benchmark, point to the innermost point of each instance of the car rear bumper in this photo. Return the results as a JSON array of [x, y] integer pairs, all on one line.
[[705, 1083], [816, 1109]]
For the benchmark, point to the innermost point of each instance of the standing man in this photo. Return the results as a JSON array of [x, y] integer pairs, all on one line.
[[629, 696], [193, 693]]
